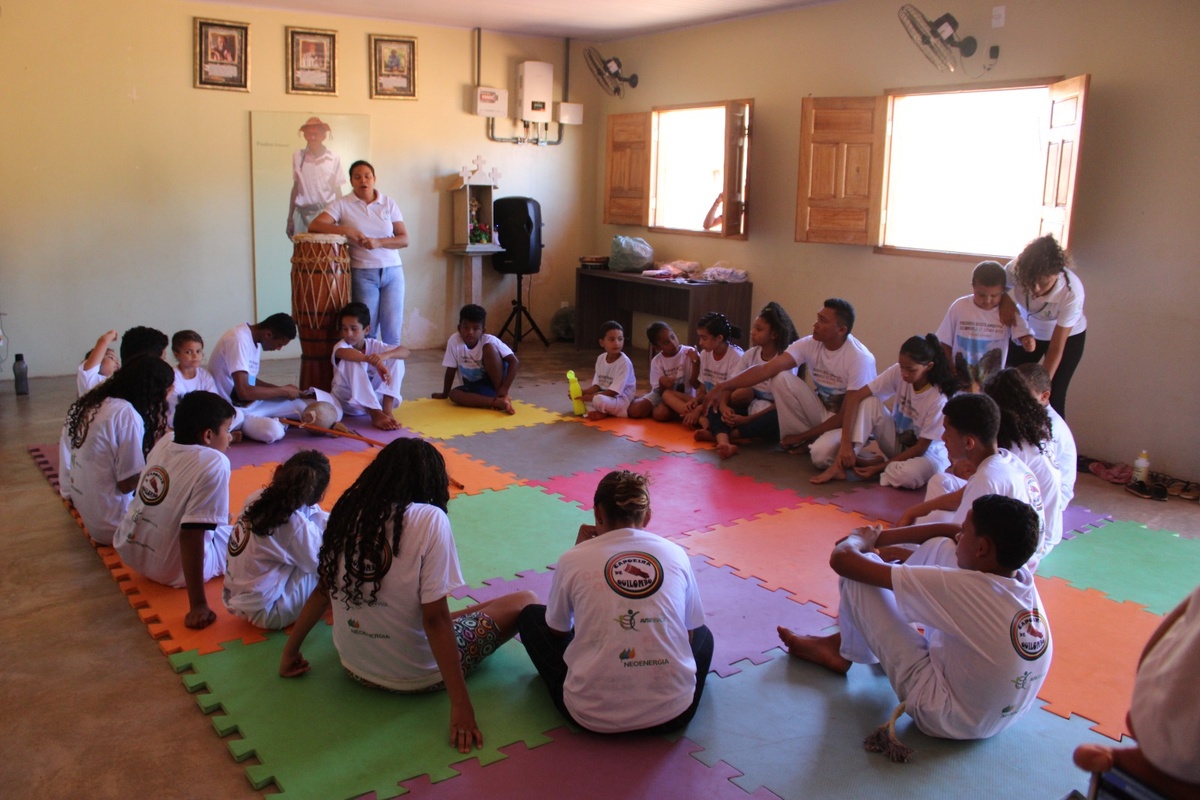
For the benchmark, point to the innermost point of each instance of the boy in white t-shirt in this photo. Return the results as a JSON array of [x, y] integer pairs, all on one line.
[[985, 646], [614, 383], [973, 335], [669, 372], [176, 530], [367, 372], [483, 365]]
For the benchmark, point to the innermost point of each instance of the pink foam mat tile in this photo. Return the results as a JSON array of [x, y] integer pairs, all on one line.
[[670, 437], [687, 494], [529, 580], [587, 766], [789, 550], [878, 503]]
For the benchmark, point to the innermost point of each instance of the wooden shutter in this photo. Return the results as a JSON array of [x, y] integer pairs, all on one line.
[[839, 199], [1067, 101], [734, 217], [627, 170]]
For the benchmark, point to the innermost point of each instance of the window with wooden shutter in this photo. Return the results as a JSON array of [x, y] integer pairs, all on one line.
[[627, 170]]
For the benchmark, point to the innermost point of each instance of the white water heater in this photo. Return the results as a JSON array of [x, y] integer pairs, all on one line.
[[535, 90]]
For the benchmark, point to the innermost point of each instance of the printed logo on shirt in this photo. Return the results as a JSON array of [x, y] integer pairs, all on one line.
[[356, 628], [629, 659], [154, 486], [365, 567], [1022, 682], [633, 575], [629, 620], [1030, 636], [239, 537]]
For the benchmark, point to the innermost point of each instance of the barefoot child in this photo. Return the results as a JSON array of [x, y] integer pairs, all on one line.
[[670, 370], [614, 383], [367, 372], [986, 645], [972, 334], [749, 413], [910, 435], [717, 359], [484, 365], [176, 531], [272, 565], [386, 566]]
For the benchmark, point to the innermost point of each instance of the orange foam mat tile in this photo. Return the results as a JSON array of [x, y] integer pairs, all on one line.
[[476, 476], [787, 550], [1097, 643], [670, 437]]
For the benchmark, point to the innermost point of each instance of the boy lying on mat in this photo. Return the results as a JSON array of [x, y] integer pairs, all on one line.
[[176, 530], [986, 644]]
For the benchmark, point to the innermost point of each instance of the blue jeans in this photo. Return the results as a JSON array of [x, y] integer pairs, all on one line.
[[382, 291]]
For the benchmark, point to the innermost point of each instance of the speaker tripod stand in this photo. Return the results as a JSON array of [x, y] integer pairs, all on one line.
[[515, 320]]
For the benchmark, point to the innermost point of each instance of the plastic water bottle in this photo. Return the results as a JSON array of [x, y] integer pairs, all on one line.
[[20, 374], [576, 393], [1141, 467]]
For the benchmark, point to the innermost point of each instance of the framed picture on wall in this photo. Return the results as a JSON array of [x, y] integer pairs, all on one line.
[[311, 61], [221, 54], [393, 67]]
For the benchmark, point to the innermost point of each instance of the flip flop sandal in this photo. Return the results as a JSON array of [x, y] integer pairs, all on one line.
[[1190, 492], [1140, 489], [1176, 487], [1158, 492]]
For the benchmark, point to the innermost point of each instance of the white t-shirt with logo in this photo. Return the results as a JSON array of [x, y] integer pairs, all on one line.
[[469, 360], [989, 644], [834, 372], [631, 598], [917, 415], [236, 351], [182, 484], [977, 338], [617, 376], [715, 370], [385, 643], [112, 452], [1061, 306], [1004, 474], [678, 368]]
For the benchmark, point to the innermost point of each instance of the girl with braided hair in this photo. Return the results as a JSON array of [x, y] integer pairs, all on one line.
[[1025, 431], [386, 566], [621, 644], [108, 433], [272, 566]]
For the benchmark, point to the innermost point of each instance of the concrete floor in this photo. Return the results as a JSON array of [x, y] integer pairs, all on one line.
[[91, 706]]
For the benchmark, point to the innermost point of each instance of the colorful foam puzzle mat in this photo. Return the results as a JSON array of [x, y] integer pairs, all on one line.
[[759, 537]]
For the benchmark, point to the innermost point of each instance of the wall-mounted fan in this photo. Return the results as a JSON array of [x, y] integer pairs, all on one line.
[[607, 72], [938, 40]]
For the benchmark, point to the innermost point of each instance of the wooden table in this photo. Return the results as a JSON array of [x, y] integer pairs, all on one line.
[[601, 295], [470, 265]]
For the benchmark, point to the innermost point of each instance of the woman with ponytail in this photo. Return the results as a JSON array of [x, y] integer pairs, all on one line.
[[910, 435]]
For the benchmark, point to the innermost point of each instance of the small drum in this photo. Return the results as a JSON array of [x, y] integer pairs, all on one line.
[[320, 288]]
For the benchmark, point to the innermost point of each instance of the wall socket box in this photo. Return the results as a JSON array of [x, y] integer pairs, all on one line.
[[997, 16], [535, 90], [570, 113], [491, 102]]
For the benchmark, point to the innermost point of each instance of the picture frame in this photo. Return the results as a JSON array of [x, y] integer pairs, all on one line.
[[311, 61], [393, 67], [221, 54]]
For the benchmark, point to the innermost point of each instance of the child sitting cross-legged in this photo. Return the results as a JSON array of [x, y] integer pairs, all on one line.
[[367, 372], [483, 365], [177, 527], [670, 372], [614, 383], [272, 567]]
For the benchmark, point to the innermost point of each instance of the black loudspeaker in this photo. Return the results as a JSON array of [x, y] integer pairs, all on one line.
[[519, 223]]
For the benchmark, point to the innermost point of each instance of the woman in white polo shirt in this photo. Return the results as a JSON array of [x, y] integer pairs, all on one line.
[[375, 227]]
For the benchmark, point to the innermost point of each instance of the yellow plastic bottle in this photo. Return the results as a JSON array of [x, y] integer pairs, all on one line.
[[576, 393]]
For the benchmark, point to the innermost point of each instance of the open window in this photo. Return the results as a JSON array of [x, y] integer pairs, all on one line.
[[979, 171], [680, 168]]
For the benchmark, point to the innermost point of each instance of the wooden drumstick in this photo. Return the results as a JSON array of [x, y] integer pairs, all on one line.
[[348, 435]]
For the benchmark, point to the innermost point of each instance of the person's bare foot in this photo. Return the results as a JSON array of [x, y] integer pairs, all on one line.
[[834, 473], [235, 437], [383, 421], [595, 415], [503, 404], [704, 435], [821, 650], [727, 450]]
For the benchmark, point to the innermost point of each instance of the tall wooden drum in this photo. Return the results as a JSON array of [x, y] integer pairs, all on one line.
[[320, 288]]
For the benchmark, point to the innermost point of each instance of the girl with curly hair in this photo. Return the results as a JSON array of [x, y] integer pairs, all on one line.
[[272, 566], [1025, 431], [108, 433], [386, 566], [1049, 295]]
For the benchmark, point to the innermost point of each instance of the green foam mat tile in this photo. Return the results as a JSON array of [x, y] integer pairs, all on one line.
[[324, 736], [1127, 561], [500, 534]]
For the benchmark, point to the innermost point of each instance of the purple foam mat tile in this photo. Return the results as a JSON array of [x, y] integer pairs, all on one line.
[[531, 580], [588, 766], [1077, 520], [251, 454], [743, 617], [883, 503]]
